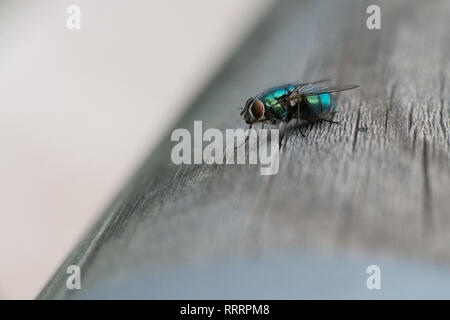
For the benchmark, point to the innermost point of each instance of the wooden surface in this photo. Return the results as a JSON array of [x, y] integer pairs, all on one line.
[[378, 183]]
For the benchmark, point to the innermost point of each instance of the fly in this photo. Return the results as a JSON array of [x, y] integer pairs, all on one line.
[[311, 101]]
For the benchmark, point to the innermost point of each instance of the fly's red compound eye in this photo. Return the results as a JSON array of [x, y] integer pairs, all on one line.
[[257, 109]]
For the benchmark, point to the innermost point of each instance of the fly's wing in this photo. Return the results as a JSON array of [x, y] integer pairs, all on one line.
[[322, 82], [310, 89], [299, 85]]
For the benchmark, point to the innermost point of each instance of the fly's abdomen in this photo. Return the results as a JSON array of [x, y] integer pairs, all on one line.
[[321, 104]]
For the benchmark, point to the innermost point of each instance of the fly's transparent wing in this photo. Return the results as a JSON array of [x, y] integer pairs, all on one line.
[[317, 83], [309, 89]]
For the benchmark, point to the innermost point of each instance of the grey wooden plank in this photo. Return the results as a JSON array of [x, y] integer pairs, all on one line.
[[376, 183]]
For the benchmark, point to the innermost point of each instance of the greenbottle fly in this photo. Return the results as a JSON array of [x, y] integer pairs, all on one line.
[[311, 101]]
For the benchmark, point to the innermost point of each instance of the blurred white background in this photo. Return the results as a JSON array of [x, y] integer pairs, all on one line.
[[80, 110]]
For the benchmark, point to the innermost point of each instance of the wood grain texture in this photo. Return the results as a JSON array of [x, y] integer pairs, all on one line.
[[376, 183]]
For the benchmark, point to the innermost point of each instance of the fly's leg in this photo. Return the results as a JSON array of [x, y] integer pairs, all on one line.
[[330, 121], [298, 120], [318, 118], [247, 137], [262, 127], [281, 137]]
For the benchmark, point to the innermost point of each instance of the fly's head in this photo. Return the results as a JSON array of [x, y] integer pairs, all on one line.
[[253, 111]]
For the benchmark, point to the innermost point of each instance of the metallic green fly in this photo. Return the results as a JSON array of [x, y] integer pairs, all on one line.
[[303, 101]]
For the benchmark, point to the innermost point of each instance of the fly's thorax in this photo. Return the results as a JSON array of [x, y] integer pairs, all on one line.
[[274, 104]]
